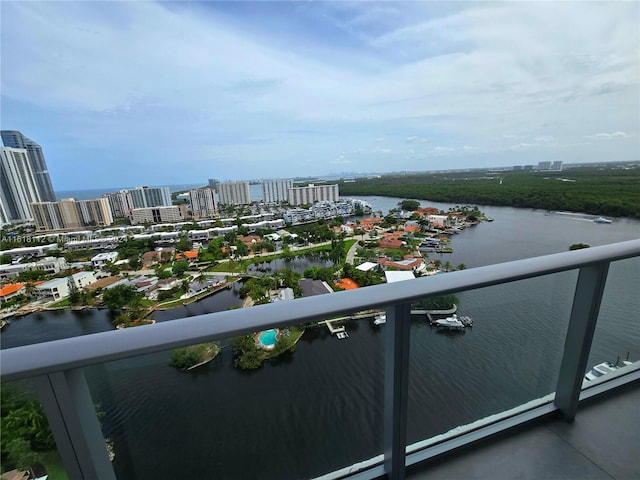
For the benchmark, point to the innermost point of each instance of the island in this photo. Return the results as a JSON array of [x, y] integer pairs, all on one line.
[[188, 358]]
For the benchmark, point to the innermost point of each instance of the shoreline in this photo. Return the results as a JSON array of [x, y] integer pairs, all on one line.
[[26, 310]]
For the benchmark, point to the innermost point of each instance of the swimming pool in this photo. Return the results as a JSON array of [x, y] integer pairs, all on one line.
[[268, 338]]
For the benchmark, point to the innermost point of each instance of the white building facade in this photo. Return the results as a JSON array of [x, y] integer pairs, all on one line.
[[203, 203], [276, 191], [120, 203], [234, 193], [145, 197], [312, 194], [17, 185]]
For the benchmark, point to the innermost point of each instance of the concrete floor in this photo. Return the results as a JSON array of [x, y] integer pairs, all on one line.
[[602, 443]]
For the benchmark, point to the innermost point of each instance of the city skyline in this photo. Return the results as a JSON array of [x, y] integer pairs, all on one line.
[[167, 93]]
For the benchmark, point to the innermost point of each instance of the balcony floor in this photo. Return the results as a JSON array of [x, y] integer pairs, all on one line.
[[602, 443]]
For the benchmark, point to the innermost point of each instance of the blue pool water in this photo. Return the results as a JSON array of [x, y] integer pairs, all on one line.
[[268, 338]]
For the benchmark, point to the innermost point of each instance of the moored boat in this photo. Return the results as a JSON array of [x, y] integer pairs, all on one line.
[[605, 368], [380, 319]]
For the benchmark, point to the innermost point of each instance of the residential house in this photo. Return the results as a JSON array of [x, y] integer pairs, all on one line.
[[11, 290], [102, 259], [314, 287], [191, 255]]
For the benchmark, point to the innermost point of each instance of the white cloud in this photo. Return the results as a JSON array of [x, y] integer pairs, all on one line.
[[610, 136], [152, 76]]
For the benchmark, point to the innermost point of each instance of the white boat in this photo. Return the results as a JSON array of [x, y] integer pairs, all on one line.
[[452, 323], [603, 368], [380, 319], [602, 220]]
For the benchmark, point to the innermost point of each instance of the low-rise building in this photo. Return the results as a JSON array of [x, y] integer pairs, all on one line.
[[103, 259], [57, 289], [50, 265], [7, 292]]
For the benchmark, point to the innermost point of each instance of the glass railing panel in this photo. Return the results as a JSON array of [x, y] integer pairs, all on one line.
[[27, 444], [617, 335], [299, 415], [510, 356]]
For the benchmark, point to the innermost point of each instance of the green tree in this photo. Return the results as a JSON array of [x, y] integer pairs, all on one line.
[[117, 297], [5, 259], [184, 244], [31, 275], [178, 268], [409, 205], [24, 427], [241, 249]]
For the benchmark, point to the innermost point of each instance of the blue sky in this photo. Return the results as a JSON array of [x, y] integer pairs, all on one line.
[[155, 93]]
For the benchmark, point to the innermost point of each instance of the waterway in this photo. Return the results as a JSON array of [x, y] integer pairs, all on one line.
[[320, 408]]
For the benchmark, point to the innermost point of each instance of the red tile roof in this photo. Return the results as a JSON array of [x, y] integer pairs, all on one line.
[[10, 288]]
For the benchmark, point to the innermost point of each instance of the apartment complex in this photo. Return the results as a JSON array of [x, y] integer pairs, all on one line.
[[550, 166], [69, 214], [15, 139], [276, 191], [203, 202], [234, 193], [18, 186], [312, 194], [144, 197], [157, 214], [121, 203]]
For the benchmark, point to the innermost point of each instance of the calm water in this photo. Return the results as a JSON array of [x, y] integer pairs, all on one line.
[[320, 408], [297, 264]]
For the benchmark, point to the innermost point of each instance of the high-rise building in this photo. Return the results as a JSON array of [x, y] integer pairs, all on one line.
[[203, 202], [276, 191], [169, 214], [556, 166], [544, 165], [313, 193], [213, 183], [17, 185], [234, 193], [15, 139], [69, 214], [121, 203], [144, 197]]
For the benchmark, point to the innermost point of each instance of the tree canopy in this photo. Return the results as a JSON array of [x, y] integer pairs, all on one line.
[[117, 297]]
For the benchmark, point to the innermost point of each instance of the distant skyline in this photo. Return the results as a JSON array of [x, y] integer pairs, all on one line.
[[160, 93]]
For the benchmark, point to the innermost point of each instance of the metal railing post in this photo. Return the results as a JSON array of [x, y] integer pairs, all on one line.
[[396, 386], [577, 345], [72, 417]]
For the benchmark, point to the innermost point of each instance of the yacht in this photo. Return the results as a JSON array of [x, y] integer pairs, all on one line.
[[380, 319], [603, 368], [602, 220], [452, 323]]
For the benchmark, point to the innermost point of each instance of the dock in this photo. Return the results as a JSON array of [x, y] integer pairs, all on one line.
[[339, 331]]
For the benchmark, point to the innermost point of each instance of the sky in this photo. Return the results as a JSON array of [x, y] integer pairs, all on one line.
[[156, 93]]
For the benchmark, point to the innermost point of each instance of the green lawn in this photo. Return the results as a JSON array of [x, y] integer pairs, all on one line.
[[62, 303], [53, 463]]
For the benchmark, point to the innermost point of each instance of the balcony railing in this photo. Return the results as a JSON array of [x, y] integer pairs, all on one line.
[[57, 366]]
